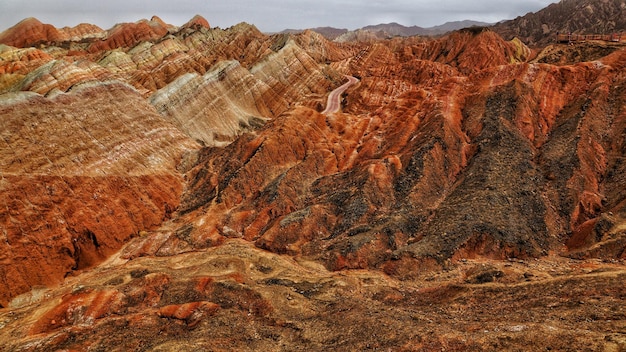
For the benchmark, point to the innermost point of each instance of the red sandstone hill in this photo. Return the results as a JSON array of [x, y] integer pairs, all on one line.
[[184, 185], [29, 32]]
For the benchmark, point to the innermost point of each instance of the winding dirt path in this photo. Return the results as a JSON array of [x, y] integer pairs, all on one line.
[[333, 104]]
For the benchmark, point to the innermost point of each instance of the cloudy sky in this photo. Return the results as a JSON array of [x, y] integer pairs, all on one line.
[[267, 15]]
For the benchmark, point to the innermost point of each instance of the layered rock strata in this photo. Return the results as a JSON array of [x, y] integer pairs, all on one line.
[[96, 133], [82, 173], [203, 154], [435, 158]]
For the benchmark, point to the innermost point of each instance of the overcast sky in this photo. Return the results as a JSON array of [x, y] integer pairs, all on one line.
[[267, 15]]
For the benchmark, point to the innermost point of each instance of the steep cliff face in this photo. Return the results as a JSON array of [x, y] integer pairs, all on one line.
[[199, 162]]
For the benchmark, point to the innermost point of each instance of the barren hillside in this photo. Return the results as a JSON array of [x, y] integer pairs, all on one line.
[[566, 16]]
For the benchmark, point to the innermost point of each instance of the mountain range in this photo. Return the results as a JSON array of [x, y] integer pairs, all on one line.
[[393, 29]]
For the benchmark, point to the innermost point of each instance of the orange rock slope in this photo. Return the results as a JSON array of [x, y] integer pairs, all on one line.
[[81, 174], [203, 155], [436, 157], [97, 133]]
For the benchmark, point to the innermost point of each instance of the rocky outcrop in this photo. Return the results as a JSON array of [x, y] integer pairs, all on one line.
[[280, 69], [212, 109], [321, 49], [81, 32], [361, 35], [55, 225], [196, 23], [576, 52], [217, 111], [127, 35], [428, 137], [116, 153], [356, 190], [567, 16], [83, 143], [29, 32], [61, 76], [17, 63]]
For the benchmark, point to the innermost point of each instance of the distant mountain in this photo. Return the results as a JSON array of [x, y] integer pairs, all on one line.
[[456, 25], [396, 29], [575, 16], [330, 33], [385, 30]]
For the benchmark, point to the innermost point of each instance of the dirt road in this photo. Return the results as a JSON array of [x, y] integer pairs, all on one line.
[[333, 103]]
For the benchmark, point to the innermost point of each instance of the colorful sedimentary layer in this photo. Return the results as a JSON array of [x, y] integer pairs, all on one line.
[[427, 162], [184, 180], [82, 173]]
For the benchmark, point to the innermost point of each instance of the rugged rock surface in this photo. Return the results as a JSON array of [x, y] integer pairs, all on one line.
[[93, 141], [127, 35], [236, 296], [81, 174], [185, 186], [197, 22], [566, 16]]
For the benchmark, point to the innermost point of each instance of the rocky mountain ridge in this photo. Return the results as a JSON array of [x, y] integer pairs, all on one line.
[[382, 31], [566, 16], [183, 184]]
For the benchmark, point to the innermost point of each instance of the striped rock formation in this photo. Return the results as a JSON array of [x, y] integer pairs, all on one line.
[[183, 183]]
